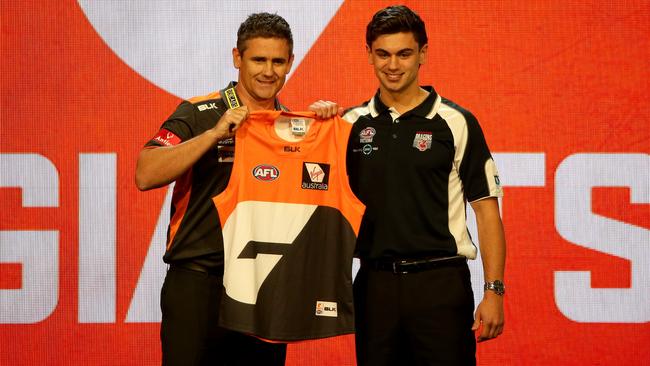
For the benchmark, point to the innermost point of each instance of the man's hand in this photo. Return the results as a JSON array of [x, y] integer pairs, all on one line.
[[489, 317], [325, 109], [230, 122]]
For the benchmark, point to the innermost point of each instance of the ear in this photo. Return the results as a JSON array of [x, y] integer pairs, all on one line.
[[236, 58], [369, 52], [423, 54]]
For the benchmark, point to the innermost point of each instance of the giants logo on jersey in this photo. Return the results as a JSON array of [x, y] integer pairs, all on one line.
[[266, 173], [315, 176], [422, 140]]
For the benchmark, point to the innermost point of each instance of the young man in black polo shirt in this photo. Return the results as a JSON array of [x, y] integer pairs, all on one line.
[[415, 159]]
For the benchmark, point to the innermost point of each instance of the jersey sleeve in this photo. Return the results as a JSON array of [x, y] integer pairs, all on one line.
[[477, 169], [177, 128]]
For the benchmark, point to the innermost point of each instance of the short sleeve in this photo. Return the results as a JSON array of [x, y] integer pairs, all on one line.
[[477, 169], [177, 128]]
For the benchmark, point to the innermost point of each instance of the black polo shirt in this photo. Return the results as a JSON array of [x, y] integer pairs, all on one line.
[[414, 172]]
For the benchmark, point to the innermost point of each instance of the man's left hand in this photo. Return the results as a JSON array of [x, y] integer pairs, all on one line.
[[325, 109], [489, 318]]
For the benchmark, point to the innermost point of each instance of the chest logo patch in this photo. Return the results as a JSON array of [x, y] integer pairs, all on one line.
[[315, 176], [266, 172], [366, 135], [422, 140]]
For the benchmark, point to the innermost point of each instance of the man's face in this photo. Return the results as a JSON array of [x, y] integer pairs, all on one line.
[[396, 59], [263, 66]]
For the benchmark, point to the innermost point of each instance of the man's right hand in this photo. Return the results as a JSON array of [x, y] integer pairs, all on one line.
[[230, 122]]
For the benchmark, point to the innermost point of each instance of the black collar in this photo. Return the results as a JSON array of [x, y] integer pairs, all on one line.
[[422, 110]]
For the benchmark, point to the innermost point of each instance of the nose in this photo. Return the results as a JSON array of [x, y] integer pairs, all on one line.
[[393, 62], [268, 69]]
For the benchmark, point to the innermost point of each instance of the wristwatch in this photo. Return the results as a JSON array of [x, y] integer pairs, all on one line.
[[497, 286]]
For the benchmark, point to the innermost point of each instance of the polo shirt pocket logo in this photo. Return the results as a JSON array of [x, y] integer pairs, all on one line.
[[422, 140]]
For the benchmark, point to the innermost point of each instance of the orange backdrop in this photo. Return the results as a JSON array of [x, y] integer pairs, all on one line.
[[559, 87]]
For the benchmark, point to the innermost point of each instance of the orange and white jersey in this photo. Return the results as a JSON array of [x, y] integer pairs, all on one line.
[[289, 221]]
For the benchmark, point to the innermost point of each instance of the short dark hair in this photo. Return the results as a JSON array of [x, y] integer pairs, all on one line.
[[264, 25], [396, 19]]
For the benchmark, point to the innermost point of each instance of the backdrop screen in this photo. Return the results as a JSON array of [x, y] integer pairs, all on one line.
[[560, 89]]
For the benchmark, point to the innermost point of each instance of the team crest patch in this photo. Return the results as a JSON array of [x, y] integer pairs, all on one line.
[[422, 141], [326, 308], [266, 173], [366, 135], [315, 176]]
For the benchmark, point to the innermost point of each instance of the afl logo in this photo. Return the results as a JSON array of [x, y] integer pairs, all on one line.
[[266, 173], [366, 135]]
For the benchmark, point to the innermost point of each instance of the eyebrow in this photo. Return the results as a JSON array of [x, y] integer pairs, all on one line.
[[398, 51], [275, 59]]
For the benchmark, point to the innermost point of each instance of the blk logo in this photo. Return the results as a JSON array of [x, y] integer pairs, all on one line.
[[292, 149]]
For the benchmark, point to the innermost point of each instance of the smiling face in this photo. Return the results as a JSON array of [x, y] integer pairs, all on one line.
[[263, 67], [396, 59]]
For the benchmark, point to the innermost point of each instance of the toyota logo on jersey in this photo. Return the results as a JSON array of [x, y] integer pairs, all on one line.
[[266, 172]]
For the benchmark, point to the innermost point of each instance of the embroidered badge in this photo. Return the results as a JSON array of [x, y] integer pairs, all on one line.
[[422, 141], [366, 135]]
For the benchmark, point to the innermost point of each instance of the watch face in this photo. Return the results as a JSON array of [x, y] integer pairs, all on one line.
[[497, 286]]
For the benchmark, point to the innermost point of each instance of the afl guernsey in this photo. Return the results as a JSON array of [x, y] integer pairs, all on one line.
[[289, 221]]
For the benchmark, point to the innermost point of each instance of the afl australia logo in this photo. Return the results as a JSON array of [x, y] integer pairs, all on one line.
[[266, 172]]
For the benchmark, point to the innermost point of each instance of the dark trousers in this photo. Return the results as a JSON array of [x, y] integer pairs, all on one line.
[[422, 318], [189, 331]]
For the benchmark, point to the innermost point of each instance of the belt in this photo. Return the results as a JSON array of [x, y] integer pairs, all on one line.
[[192, 266], [405, 266]]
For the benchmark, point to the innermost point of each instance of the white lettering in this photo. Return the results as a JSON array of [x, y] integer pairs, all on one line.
[[97, 230], [575, 222], [36, 250], [145, 303]]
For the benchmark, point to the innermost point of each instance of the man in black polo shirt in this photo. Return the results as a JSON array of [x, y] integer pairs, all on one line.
[[194, 148], [415, 159]]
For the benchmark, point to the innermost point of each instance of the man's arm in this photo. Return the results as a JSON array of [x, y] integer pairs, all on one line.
[[159, 166], [492, 242]]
